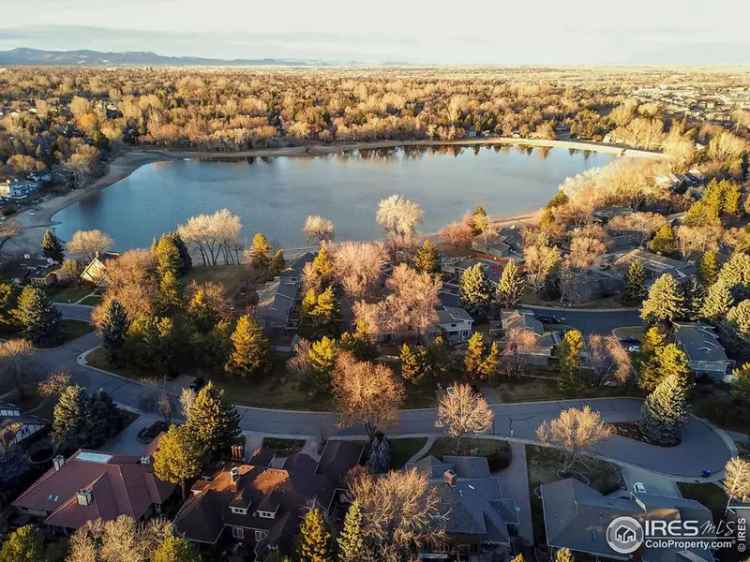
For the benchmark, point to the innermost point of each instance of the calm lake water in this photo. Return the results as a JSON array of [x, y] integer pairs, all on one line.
[[275, 195]]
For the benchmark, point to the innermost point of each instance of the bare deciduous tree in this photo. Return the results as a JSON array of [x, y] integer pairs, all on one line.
[[358, 266], [609, 359], [411, 304], [86, 244], [518, 342], [574, 431], [737, 480], [319, 228], [214, 236], [366, 393], [399, 216], [400, 514], [642, 224], [540, 260], [462, 411]]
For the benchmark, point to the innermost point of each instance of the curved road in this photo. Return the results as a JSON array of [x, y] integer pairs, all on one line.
[[702, 447]]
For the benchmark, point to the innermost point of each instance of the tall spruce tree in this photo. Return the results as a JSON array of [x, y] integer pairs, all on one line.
[[708, 268], [251, 351], [70, 418], [52, 247], [314, 538], [178, 458], [511, 286], [474, 355], [427, 259], [569, 360], [665, 302], [413, 363], [37, 316], [635, 284], [664, 411], [25, 544], [114, 330], [322, 358], [475, 292], [351, 544], [213, 421], [668, 360], [718, 301]]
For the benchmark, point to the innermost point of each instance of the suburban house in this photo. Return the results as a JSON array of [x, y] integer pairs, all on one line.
[[16, 188], [706, 355], [94, 485], [20, 425], [543, 348], [478, 516], [96, 270], [656, 265], [455, 323], [594, 283], [277, 299], [576, 517], [261, 504]]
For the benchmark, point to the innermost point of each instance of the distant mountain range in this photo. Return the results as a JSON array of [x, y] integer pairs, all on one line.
[[24, 56]]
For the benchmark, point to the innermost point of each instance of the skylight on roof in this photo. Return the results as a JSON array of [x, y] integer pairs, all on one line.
[[101, 458]]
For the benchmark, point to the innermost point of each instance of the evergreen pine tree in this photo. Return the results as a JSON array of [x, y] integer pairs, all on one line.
[[38, 317], [635, 284], [350, 541], [490, 364], [171, 294], [569, 360], [25, 544], [665, 409], [322, 357], [427, 259], [511, 286], [174, 548], [314, 538], [251, 351], [668, 360], [178, 458], [664, 241], [167, 255], [186, 261], [665, 301], [52, 248], [70, 418], [413, 363], [718, 301], [474, 355], [114, 330], [695, 295], [708, 268], [260, 253], [212, 421], [319, 313], [278, 263], [739, 318], [475, 292], [740, 385]]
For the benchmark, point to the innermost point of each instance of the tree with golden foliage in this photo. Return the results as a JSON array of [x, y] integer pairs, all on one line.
[[366, 393]]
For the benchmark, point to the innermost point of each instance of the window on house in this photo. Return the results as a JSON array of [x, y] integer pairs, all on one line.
[[260, 535], [238, 510], [238, 532], [266, 514]]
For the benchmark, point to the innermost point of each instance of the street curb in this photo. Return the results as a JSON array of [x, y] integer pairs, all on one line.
[[572, 309]]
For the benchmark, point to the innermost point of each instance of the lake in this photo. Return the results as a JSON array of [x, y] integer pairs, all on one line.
[[275, 195]]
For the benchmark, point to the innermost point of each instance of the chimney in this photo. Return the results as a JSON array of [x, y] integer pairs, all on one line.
[[58, 462], [84, 497], [449, 476], [238, 452], [235, 474]]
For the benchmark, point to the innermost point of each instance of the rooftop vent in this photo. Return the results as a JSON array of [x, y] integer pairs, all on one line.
[[145, 460], [235, 473], [84, 497], [58, 462]]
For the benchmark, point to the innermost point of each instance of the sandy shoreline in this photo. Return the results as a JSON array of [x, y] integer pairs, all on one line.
[[35, 220]]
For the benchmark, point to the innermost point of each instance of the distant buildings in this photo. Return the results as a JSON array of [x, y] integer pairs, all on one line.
[[18, 189]]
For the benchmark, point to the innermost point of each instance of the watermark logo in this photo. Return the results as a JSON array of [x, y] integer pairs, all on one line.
[[625, 535]]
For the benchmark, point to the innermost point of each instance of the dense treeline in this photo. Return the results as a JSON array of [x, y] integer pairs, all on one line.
[[70, 118]]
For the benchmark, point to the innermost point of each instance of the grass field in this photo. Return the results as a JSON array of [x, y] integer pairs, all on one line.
[[69, 294], [710, 495]]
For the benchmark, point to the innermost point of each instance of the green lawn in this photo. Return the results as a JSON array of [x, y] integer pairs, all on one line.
[[544, 464], [283, 447], [73, 329], [524, 389], [92, 300], [710, 495], [232, 277], [403, 449], [69, 294]]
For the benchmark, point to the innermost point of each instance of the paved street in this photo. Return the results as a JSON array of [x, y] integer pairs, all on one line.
[[592, 321], [702, 447]]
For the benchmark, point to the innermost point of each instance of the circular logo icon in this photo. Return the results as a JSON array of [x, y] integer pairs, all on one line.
[[624, 535]]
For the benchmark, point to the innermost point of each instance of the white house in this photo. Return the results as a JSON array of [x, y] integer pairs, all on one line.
[[455, 323]]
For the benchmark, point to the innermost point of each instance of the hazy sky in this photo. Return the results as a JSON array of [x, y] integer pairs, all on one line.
[[421, 31]]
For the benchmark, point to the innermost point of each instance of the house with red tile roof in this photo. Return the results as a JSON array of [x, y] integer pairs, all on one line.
[[94, 485]]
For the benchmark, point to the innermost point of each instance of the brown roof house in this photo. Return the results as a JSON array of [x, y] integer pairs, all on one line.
[[261, 504], [539, 353], [94, 485]]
